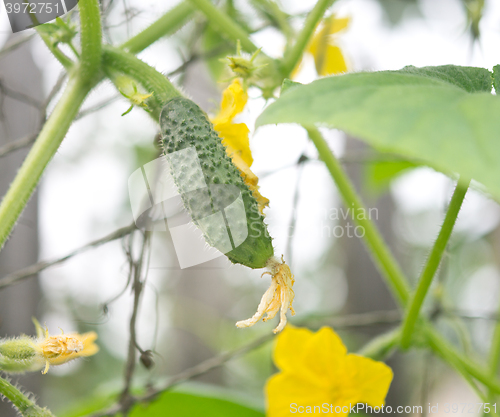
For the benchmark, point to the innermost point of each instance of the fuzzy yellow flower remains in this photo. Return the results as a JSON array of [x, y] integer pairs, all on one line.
[[28, 354], [56, 350], [235, 137], [328, 57], [278, 296], [316, 369]]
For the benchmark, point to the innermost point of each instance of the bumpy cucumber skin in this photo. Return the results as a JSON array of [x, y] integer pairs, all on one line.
[[185, 125]]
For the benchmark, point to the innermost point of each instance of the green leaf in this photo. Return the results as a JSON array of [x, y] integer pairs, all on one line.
[[471, 79], [288, 85], [381, 173], [188, 405], [445, 117]]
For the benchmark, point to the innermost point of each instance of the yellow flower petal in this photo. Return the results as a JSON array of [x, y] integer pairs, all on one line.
[[328, 57], [332, 62], [316, 370], [370, 380], [234, 99], [324, 354], [336, 25], [249, 178], [63, 348], [235, 138], [284, 390], [286, 359]]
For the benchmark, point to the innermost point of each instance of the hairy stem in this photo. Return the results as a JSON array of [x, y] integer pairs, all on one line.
[[171, 21], [392, 273], [382, 256], [25, 406], [294, 54], [224, 24], [433, 262], [382, 346], [63, 59], [117, 61], [41, 153], [56, 127], [494, 357], [91, 35], [462, 364]]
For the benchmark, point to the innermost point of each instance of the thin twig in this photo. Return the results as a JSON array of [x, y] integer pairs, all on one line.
[[137, 286], [293, 219], [96, 107], [29, 139], [16, 43], [40, 266], [17, 144], [17, 95]]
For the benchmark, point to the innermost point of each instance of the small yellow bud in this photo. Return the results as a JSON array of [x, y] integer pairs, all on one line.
[[26, 354], [128, 89]]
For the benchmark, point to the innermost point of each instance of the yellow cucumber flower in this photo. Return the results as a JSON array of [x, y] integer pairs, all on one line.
[[27, 354], [56, 350], [235, 136], [328, 57], [317, 371]]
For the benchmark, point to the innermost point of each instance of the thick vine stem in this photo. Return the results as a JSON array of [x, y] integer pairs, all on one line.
[[91, 35], [41, 153], [390, 270], [223, 23], [63, 59], [53, 132], [463, 365], [382, 346], [294, 54], [380, 253], [433, 262], [117, 61], [171, 21], [25, 406]]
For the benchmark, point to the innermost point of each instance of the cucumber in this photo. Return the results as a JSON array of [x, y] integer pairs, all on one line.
[[212, 187]]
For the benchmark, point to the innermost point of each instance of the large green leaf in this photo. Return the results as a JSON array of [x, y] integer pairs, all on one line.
[[444, 116], [188, 405]]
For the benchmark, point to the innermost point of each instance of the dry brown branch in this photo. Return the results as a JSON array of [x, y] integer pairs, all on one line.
[[40, 266]]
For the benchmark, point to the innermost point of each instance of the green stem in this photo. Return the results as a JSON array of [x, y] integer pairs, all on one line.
[[63, 59], [46, 145], [494, 356], [170, 22], [294, 54], [382, 346], [25, 406], [116, 60], [382, 256], [390, 269], [433, 262], [280, 17], [91, 35], [224, 24], [56, 127], [462, 364]]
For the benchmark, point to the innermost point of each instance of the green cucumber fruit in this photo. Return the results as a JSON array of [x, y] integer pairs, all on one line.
[[211, 186]]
